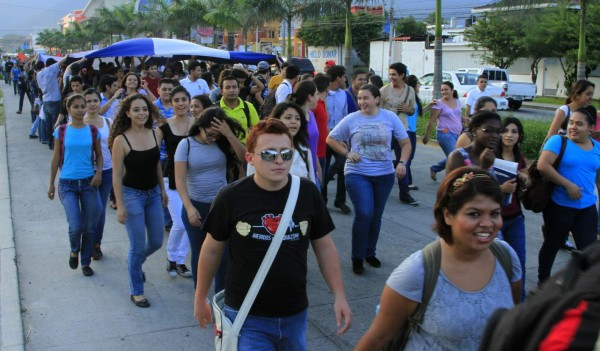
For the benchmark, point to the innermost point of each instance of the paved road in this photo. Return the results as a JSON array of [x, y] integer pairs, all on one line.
[[63, 310], [530, 113]]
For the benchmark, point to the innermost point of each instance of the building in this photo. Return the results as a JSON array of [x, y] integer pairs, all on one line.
[[68, 20]]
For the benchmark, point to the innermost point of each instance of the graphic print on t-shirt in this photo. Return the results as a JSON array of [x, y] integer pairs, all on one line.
[[373, 141], [266, 229]]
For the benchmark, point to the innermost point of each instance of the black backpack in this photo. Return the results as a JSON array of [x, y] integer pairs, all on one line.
[[563, 315], [268, 105]]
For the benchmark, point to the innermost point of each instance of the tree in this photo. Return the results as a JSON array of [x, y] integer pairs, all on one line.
[[408, 26], [500, 35], [330, 31], [437, 52], [582, 44], [431, 19]]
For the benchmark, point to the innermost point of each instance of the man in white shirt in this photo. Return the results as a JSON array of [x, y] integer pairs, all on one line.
[[193, 83], [284, 89], [475, 94]]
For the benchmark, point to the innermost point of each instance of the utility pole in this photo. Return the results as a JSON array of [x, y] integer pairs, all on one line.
[[392, 36]]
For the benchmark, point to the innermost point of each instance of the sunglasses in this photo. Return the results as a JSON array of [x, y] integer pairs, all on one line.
[[492, 130], [271, 155]]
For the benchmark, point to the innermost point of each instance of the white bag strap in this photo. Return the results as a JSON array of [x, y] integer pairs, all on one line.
[[269, 258]]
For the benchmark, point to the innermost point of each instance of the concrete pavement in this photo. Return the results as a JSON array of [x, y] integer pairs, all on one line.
[[63, 310]]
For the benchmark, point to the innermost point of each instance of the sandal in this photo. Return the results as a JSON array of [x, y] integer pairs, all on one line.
[[140, 303]]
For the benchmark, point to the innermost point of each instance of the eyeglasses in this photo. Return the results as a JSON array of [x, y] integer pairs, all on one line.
[[492, 130], [271, 155]]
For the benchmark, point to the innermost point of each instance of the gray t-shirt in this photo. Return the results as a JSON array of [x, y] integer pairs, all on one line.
[[371, 138], [454, 319], [207, 167]]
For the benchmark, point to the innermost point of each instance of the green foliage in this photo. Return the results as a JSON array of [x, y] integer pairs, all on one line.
[[408, 26], [500, 35], [535, 133], [330, 31], [431, 19]]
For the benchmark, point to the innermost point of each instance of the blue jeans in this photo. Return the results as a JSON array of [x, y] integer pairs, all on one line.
[[559, 221], [368, 195], [78, 198], [513, 231], [412, 136], [447, 142], [196, 236], [403, 182], [103, 193], [51, 110], [145, 228], [271, 333], [35, 126]]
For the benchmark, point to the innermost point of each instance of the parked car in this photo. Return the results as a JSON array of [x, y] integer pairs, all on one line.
[[305, 65], [516, 92], [463, 83]]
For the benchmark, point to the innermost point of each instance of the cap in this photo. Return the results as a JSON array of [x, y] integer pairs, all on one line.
[[263, 65], [329, 63]]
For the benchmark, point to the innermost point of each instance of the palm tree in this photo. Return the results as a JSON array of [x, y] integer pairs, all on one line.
[[437, 52], [185, 14]]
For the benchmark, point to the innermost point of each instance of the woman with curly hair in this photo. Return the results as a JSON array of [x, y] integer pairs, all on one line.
[[132, 84], [138, 185], [203, 161]]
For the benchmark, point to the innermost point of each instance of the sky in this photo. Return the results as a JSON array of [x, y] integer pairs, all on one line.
[[31, 16]]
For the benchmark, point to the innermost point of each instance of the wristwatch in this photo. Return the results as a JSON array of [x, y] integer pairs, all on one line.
[[403, 162]]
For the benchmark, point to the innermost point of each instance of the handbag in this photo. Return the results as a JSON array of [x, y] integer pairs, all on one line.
[[536, 197], [227, 333]]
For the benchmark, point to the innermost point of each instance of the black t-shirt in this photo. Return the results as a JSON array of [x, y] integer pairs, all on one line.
[[171, 142], [248, 216], [8, 66]]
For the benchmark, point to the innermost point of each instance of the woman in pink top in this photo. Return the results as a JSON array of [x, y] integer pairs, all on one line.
[[448, 114]]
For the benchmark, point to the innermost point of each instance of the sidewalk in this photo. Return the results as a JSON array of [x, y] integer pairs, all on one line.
[[539, 106], [63, 310]]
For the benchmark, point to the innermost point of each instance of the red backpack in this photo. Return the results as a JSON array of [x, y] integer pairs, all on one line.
[[62, 131]]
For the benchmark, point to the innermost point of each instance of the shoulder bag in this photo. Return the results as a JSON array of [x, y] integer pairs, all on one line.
[[227, 333], [536, 197]]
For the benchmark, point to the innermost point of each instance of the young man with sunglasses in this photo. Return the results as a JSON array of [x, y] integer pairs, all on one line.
[[247, 213]]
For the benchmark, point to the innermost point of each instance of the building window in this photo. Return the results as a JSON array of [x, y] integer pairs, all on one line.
[[271, 34]]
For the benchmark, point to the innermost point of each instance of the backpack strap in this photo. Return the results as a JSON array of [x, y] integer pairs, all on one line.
[[432, 261], [62, 132], [247, 113], [563, 147], [94, 132], [503, 256]]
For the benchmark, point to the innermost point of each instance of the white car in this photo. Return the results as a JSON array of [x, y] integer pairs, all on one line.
[[463, 83]]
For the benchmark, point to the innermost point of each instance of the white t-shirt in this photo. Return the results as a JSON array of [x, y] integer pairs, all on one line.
[[283, 90], [197, 87], [473, 96]]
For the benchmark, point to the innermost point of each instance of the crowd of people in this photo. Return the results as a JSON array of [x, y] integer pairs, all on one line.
[[210, 160]]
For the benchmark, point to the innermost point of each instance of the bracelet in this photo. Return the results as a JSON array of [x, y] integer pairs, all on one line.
[[346, 154]]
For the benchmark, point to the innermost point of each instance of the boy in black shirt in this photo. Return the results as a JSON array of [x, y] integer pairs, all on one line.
[[235, 216]]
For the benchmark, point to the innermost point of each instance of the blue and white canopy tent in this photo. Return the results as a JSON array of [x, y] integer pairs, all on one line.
[[176, 50]]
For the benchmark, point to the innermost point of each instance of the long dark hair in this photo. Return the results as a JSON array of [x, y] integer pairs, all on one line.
[[578, 88], [451, 86], [412, 82], [516, 148], [302, 91], [205, 121], [301, 138], [122, 122]]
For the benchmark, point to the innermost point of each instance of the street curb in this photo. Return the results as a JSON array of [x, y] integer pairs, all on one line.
[[11, 322], [540, 107]]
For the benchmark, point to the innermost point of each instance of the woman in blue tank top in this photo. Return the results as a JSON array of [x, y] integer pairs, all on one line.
[[138, 185], [78, 183]]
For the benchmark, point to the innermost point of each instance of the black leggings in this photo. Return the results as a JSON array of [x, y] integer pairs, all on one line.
[[559, 221]]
